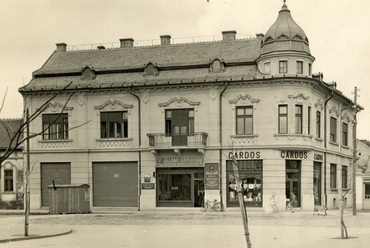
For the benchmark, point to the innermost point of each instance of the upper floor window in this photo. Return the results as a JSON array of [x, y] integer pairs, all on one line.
[[283, 67], [333, 176], [333, 129], [344, 177], [179, 122], [310, 69], [8, 180], [299, 67], [55, 126], [244, 120], [344, 134], [318, 124], [298, 119], [283, 119], [114, 124], [309, 120]]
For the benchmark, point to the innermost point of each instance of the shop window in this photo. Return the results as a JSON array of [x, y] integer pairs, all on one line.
[[283, 119], [344, 177], [317, 183], [55, 126], [114, 124], [344, 134], [8, 180], [298, 119], [244, 120], [333, 176], [299, 67], [283, 67], [318, 124], [333, 129], [250, 179]]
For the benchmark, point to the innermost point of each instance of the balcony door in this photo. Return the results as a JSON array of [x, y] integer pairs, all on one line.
[[180, 127]]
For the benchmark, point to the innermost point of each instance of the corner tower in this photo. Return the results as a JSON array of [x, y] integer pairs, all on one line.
[[285, 48]]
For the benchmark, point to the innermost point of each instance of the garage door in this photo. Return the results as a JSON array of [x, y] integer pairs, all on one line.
[[115, 184], [59, 172]]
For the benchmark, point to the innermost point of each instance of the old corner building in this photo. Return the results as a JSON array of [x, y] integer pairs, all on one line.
[[155, 127]]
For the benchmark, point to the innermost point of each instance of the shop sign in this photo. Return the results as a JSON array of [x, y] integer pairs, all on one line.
[[180, 162], [245, 154], [294, 154], [211, 176], [318, 157], [147, 186]]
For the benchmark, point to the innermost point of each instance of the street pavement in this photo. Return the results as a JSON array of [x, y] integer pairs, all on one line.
[[186, 229]]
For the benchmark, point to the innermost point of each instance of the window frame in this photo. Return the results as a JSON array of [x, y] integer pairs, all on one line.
[[344, 177], [318, 124], [298, 119], [247, 125], [344, 134], [283, 67], [333, 176], [110, 129], [299, 67], [333, 130], [280, 116], [309, 120], [8, 180], [55, 121]]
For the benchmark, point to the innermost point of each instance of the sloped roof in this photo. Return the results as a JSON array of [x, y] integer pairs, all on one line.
[[125, 66], [11, 125]]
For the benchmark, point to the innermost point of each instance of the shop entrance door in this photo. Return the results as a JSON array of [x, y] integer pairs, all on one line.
[[198, 192], [317, 183], [293, 182], [180, 127], [366, 196]]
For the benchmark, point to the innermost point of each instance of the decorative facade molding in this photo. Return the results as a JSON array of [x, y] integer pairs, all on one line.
[[55, 144], [299, 96], [319, 104], [113, 105], [113, 143], [56, 107], [244, 99], [179, 102], [334, 111]]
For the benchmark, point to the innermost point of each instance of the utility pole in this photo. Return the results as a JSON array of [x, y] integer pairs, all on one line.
[[241, 202], [354, 159], [28, 171]]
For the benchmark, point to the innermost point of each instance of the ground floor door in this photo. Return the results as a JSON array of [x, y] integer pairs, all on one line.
[[115, 184], [60, 173], [317, 183], [293, 182], [366, 196]]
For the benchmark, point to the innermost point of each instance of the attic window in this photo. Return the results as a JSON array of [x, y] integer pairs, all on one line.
[[151, 70], [269, 39], [88, 74], [217, 66], [297, 37]]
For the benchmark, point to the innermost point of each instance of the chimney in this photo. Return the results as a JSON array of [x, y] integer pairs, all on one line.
[[165, 39], [260, 36], [128, 42], [61, 47], [228, 35]]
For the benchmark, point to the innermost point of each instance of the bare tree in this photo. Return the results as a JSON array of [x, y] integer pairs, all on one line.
[[20, 135]]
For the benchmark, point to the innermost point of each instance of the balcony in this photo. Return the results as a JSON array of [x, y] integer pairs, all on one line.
[[162, 141]]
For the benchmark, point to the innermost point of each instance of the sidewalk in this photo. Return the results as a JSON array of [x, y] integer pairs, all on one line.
[[13, 229]]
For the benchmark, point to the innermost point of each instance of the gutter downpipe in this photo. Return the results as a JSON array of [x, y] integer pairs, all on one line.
[[139, 151], [220, 138], [325, 145]]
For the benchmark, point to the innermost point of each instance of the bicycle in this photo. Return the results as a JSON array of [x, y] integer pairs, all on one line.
[[212, 204]]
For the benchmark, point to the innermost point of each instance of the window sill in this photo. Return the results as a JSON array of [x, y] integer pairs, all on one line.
[[319, 139], [333, 143], [113, 139], [333, 189], [345, 147], [55, 140], [244, 136]]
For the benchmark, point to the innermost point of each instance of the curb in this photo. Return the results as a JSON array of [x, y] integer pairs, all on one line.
[[35, 237]]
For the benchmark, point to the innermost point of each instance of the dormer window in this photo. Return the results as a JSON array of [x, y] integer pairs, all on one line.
[[88, 73], [151, 70], [217, 66], [268, 68], [283, 37]]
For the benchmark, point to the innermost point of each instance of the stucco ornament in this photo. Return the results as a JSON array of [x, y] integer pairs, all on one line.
[[113, 105], [179, 102]]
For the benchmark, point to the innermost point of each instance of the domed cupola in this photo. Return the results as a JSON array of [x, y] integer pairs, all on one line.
[[285, 41]]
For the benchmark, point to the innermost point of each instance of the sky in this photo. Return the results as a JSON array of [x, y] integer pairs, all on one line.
[[338, 31]]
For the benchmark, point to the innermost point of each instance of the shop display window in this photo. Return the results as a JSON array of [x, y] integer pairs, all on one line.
[[174, 187], [250, 178]]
